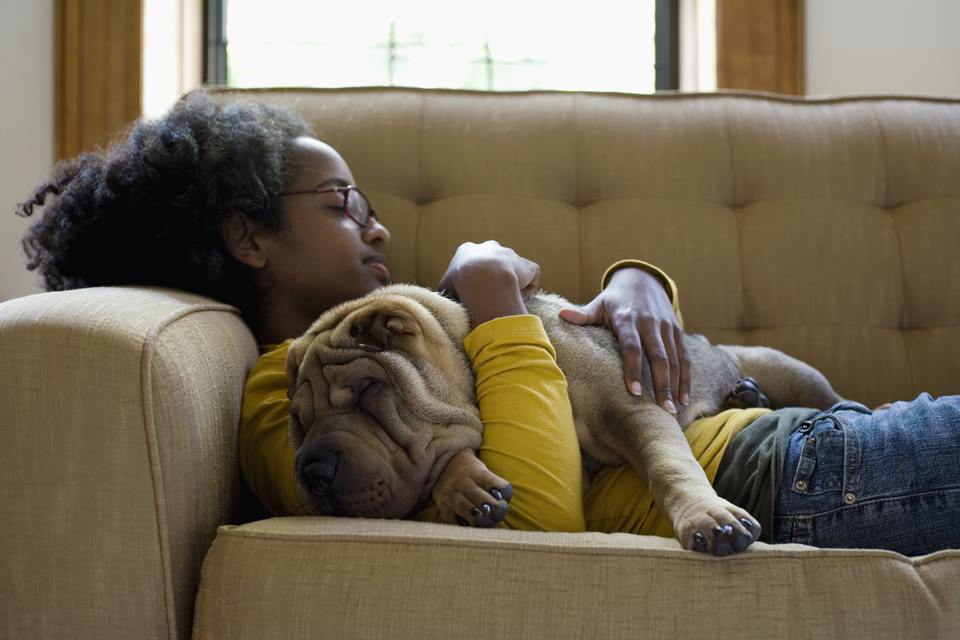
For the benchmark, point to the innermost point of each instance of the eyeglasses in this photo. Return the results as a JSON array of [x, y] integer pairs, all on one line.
[[355, 205]]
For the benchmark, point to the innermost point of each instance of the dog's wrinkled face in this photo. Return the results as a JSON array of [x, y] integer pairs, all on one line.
[[382, 396]]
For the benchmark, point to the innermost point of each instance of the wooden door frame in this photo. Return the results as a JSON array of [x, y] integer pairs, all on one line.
[[97, 71], [760, 45]]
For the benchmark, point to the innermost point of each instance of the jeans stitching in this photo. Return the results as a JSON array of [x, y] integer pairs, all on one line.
[[808, 459], [806, 465], [876, 499], [853, 458], [800, 528]]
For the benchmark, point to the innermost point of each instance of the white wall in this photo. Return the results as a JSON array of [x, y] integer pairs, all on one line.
[[883, 47], [26, 122]]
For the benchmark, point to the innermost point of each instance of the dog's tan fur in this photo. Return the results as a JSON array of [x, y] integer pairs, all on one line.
[[384, 381]]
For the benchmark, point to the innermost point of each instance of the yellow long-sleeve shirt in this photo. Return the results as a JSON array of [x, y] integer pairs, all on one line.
[[529, 437]]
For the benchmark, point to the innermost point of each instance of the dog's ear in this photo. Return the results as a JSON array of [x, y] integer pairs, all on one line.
[[378, 328], [302, 411], [295, 354], [301, 405]]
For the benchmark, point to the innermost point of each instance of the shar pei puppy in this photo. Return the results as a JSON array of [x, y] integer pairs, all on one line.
[[384, 414]]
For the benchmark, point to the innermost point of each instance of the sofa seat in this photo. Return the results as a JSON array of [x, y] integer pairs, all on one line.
[[275, 578]]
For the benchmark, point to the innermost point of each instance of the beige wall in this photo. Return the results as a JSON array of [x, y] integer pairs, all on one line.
[[26, 120], [883, 46]]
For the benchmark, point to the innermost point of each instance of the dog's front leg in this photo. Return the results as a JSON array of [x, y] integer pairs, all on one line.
[[653, 443], [469, 494]]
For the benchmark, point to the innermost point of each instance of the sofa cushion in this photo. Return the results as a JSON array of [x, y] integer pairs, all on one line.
[[355, 578]]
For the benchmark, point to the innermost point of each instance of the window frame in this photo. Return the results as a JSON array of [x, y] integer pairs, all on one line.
[[215, 36], [667, 44]]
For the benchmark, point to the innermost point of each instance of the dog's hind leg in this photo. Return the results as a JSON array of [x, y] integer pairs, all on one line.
[[786, 381]]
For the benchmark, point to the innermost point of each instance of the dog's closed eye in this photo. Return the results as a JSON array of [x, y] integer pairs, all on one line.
[[449, 294], [374, 334], [359, 333]]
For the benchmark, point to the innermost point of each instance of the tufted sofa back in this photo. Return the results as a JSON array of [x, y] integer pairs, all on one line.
[[827, 228]]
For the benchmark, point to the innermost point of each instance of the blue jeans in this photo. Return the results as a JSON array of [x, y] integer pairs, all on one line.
[[888, 479]]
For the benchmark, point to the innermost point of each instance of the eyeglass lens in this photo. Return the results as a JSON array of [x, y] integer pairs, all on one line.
[[357, 206]]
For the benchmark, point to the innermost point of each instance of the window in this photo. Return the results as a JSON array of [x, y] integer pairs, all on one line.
[[498, 45]]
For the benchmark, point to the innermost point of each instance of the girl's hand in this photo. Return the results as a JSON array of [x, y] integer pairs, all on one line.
[[488, 279], [636, 307]]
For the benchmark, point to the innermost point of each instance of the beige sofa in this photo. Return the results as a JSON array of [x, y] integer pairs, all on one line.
[[827, 228]]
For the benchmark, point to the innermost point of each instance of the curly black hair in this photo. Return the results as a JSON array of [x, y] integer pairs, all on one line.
[[149, 210]]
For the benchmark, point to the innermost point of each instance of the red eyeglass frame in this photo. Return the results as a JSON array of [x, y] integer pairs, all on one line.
[[346, 200]]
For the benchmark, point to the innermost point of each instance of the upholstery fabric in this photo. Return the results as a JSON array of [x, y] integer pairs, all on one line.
[[120, 460], [354, 578], [826, 227]]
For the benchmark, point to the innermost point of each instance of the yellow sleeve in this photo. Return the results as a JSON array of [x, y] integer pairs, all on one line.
[[668, 283], [528, 438], [264, 452]]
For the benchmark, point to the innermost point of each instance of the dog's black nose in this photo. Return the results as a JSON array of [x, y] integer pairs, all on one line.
[[319, 471]]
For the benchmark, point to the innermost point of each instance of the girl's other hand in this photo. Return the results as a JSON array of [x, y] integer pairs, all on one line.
[[636, 307], [489, 279]]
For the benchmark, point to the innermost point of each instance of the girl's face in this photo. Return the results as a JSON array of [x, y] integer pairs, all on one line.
[[321, 257]]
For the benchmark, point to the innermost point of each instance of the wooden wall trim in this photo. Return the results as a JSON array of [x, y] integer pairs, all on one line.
[[760, 45], [97, 76]]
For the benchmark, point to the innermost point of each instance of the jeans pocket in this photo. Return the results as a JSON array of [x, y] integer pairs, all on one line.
[[820, 466]]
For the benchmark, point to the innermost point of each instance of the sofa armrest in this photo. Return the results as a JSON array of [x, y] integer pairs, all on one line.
[[120, 409]]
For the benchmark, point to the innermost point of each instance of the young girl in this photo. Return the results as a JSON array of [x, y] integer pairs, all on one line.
[[239, 202]]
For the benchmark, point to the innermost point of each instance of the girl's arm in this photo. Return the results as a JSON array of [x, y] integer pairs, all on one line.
[[529, 437], [640, 304]]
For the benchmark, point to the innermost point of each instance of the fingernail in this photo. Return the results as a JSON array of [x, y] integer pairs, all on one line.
[[496, 494], [636, 388], [668, 405], [684, 398], [486, 508], [462, 522], [476, 511], [747, 524]]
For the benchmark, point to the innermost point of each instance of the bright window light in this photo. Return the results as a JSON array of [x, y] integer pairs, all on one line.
[[498, 45]]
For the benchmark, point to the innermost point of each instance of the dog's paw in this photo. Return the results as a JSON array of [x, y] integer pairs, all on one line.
[[746, 394], [469, 494], [717, 527]]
